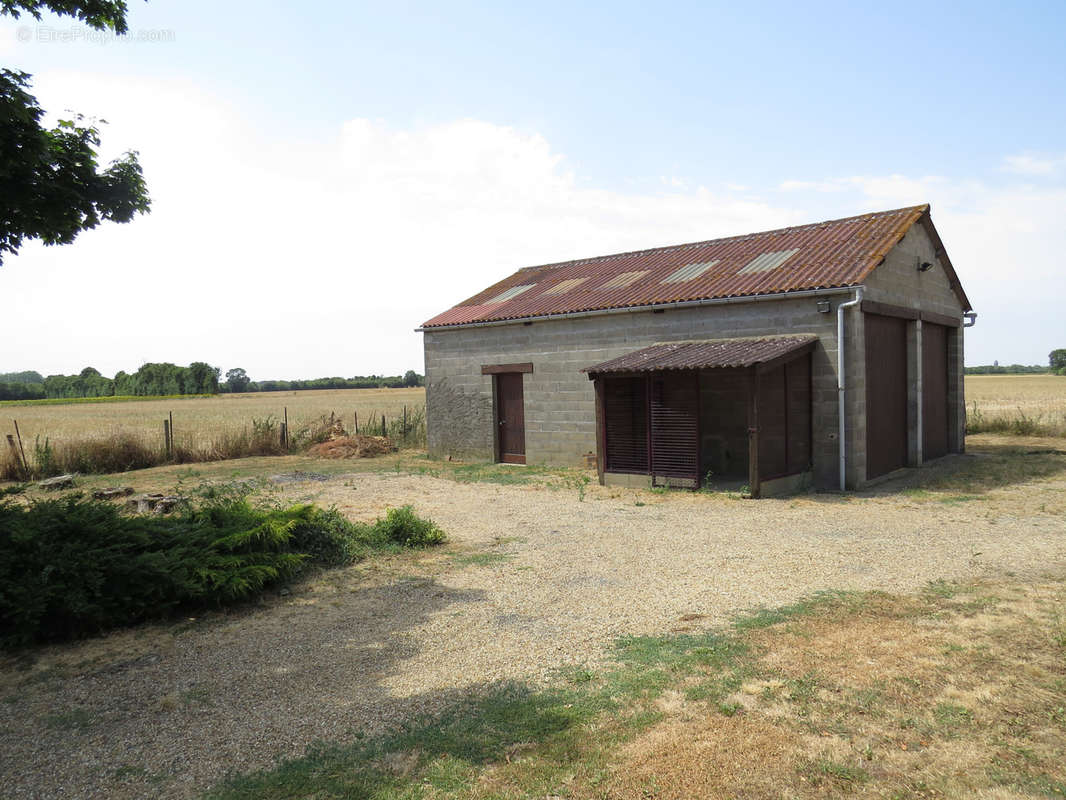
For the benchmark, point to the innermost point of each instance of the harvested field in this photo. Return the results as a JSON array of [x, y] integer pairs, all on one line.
[[1020, 404], [541, 574], [201, 420]]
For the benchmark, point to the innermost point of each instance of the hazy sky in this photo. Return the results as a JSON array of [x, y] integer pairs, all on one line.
[[321, 185]]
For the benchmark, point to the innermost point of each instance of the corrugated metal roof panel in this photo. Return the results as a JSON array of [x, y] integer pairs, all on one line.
[[689, 272], [706, 354], [764, 262], [510, 294], [834, 254], [624, 280], [565, 286]]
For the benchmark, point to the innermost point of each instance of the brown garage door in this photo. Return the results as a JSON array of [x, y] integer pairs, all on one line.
[[511, 418], [886, 394], [934, 391]]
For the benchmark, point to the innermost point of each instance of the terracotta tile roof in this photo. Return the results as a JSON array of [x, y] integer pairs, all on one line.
[[706, 354], [838, 253]]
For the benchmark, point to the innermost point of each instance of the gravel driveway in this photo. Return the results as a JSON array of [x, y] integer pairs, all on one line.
[[534, 579]]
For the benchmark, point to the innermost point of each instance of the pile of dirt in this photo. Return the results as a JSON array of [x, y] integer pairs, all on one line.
[[353, 447]]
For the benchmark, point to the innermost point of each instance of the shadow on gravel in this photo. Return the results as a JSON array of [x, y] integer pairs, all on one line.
[[981, 469], [264, 683]]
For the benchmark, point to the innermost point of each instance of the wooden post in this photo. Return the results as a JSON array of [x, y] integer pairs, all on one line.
[[166, 437], [753, 433], [601, 430], [355, 423], [23, 470], [171, 433], [22, 450], [383, 431]]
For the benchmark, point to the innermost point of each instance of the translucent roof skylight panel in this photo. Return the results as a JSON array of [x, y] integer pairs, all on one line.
[[564, 286], [624, 279], [689, 272], [514, 291], [768, 261]]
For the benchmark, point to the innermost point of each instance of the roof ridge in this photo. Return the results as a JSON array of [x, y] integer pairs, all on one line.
[[922, 207]]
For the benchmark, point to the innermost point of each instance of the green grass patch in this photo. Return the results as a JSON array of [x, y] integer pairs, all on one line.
[[76, 719], [479, 559]]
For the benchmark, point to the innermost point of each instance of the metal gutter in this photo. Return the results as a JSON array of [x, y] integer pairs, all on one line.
[[713, 301], [841, 405]]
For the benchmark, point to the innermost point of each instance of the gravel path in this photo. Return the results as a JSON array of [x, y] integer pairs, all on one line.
[[534, 579]]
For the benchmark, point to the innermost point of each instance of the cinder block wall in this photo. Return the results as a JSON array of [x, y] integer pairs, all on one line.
[[898, 282], [560, 415]]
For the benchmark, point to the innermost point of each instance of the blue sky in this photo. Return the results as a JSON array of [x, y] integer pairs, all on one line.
[[397, 158]]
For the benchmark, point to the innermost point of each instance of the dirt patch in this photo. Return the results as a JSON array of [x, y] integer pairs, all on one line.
[[353, 447]]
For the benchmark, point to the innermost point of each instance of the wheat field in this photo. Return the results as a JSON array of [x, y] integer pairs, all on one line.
[[1023, 404], [200, 420], [991, 401]]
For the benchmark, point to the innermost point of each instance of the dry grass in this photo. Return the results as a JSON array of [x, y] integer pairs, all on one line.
[[961, 692], [200, 421], [114, 437], [1019, 404]]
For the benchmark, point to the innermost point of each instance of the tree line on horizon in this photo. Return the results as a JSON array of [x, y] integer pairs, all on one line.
[[154, 379]]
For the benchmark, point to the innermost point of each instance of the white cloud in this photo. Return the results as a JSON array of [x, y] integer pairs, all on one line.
[[1027, 164], [300, 258], [295, 258]]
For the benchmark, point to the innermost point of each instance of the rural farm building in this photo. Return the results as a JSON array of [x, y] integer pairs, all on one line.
[[716, 357]]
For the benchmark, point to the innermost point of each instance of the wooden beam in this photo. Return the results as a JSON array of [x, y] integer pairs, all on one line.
[[787, 358], [496, 369], [889, 310], [601, 430], [941, 319], [753, 432]]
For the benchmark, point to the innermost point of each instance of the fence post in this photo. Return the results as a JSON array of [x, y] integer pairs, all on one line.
[[23, 468], [166, 437], [383, 431], [22, 450], [355, 422]]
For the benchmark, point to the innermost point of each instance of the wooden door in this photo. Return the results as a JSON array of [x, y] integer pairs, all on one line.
[[886, 394], [934, 391], [625, 403], [510, 418], [675, 432]]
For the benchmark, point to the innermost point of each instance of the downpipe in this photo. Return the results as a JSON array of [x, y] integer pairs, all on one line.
[[841, 383]]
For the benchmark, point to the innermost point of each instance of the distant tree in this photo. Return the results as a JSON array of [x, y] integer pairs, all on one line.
[[237, 380], [1057, 359], [52, 186], [410, 378], [29, 376], [201, 378]]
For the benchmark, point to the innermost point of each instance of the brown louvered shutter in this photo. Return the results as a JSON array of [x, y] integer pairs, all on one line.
[[675, 429], [625, 417]]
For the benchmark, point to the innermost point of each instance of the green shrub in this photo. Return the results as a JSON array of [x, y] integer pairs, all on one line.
[[72, 567], [333, 541], [403, 526]]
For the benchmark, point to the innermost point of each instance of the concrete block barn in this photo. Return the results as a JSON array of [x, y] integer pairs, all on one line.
[[826, 355]]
